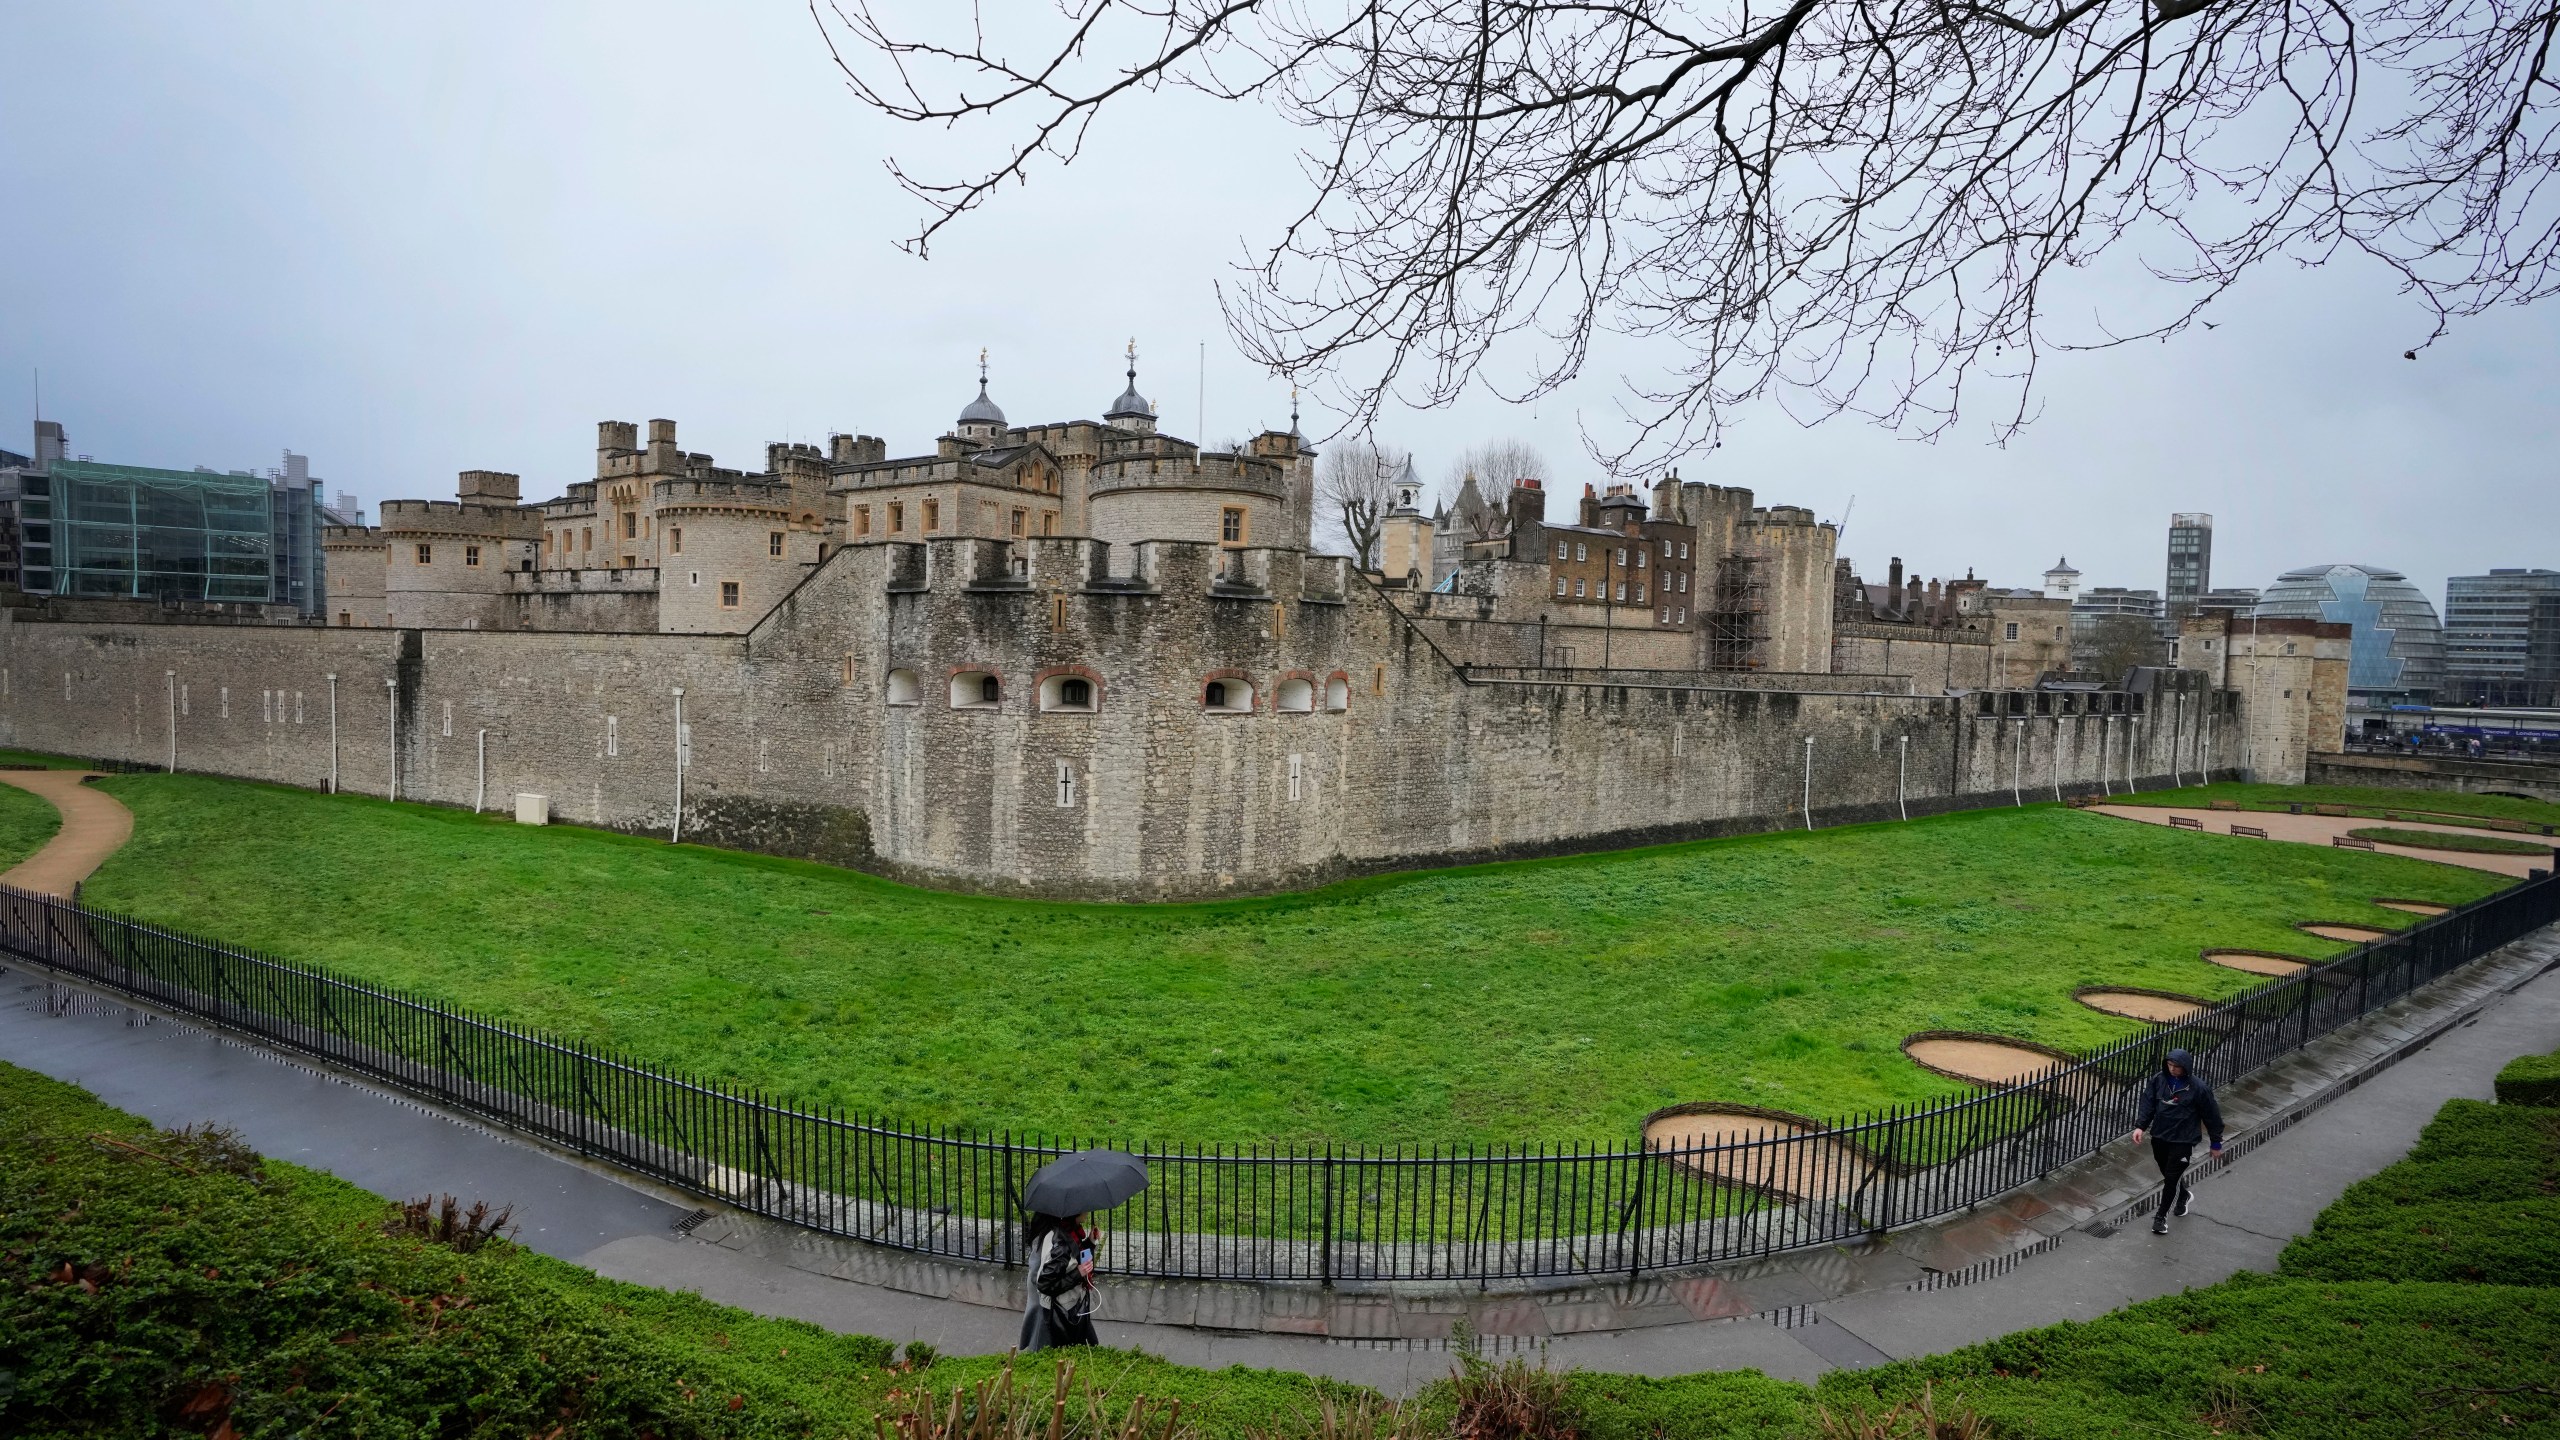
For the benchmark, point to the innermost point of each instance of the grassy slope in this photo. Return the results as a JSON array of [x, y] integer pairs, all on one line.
[[26, 822], [2370, 1331], [295, 1296], [2359, 799], [1537, 1000]]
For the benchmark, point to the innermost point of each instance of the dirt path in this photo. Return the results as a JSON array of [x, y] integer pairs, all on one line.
[[2320, 829], [94, 826]]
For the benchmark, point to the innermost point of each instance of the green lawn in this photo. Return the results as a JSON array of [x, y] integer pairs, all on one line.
[[2359, 800], [1551, 1000], [26, 822], [2448, 840]]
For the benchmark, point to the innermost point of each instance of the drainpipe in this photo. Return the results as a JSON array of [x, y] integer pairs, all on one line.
[[1902, 780], [480, 787], [392, 686], [2057, 759], [1808, 782], [675, 832], [333, 732], [173, 721]]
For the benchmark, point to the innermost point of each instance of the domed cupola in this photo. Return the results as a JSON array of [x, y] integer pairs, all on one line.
[[1131, 411], [983, 420]]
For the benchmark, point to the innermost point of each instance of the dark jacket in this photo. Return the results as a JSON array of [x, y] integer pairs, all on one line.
[[1059, 1274], [2180, 1109]]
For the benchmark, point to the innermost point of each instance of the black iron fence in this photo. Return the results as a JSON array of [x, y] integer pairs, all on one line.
[[1255, 1213]]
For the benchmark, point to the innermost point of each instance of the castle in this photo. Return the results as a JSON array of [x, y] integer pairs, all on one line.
[[1089, 659]]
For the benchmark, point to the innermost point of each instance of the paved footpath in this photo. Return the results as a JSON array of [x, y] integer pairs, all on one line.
[[94, 826], [174, 1074], [2321, 829]]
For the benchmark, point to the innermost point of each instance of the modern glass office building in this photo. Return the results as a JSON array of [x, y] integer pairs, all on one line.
[[2502, 638], [2397, 656], [132, 532]]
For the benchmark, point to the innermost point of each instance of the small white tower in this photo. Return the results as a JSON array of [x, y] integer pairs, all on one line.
[[2061, 582]]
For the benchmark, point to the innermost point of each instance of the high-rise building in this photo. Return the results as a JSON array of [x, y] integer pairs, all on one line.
[[2502, 638], [2190, 563]]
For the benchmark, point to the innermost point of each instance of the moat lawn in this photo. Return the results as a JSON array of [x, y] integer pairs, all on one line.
[[1548, 1000], [2368, 801], [26, 822]]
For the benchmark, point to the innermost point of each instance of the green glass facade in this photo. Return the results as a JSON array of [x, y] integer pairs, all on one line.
[[131, 532]]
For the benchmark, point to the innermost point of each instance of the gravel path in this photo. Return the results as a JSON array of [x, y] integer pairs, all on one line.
[[95, 825], [2321, 829]]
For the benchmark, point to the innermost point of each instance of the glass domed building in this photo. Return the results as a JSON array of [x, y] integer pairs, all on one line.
[[2397, 657]]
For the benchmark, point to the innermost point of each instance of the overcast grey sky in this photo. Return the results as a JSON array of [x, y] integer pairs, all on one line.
[[412, 242]]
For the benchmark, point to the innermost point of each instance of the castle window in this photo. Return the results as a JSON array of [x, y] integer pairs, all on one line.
[[1297, 768], [897, 519], [630, 526], [1666, 549], [1015, 526], [586, 537], [1622, 557], [426, 554], [904, 689], [1048, 522], [728, 594], [675, 539], [2009, 631], [1228, 695], [1559, 587], [1579, 590], [862, 518], [471, 556], [1684, 582], [1663, 617], [932, 516], [1067, 694], [1295, 697], [1622, 592], [1563, 551], [976, 690], [1337, 694], [612, 736], [346, 619], [1378, 680], [1639, 594], [1066, 785], [1057, 612], [1684, 549], [1581, 551], [1640, 555], [773, 544], [1680, 614]]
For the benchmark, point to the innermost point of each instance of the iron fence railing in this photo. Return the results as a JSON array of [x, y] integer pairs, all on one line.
[[1255, 1213]]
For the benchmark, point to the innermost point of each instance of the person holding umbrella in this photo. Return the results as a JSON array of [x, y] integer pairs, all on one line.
[[1060, 1245]]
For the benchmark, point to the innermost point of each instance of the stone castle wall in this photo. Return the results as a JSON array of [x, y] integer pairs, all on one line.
[[799, 745]]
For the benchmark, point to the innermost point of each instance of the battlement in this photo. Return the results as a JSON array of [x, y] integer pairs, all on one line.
[[456, 517], [582, 582], [856, 449], [687, 494], [351, 536], [1188, 469], [1781, 515], [1047, 563]]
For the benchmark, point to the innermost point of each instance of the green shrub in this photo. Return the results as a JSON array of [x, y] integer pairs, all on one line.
[[2467, 1128], [2530, 1080], [1738, 1405], [2498, 1243]]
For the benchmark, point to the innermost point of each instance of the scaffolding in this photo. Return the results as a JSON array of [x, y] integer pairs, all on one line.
[[1737, 619]]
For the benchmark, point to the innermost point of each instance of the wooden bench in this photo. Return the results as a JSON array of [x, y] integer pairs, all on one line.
[[2224, 804], [2250, 831], [2185, 822], [2517, 826], [2349, 842], [2328, 809]]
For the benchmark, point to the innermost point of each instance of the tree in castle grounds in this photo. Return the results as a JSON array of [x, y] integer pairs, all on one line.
[[1857, 205]]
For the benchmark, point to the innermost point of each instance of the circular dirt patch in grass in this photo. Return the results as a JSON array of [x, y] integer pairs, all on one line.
[[2415, 907], [2257, 962], [1714, 1139], [1980, 1059], [2339, 930], [2158, 1005]]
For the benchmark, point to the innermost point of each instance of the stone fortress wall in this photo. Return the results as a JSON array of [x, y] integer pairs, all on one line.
[[1349, 742]]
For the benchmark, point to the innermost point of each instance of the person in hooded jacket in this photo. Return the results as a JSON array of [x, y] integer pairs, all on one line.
[[2178, 1109]]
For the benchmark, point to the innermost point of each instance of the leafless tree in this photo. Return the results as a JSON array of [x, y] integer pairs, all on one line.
[[1495, 464], [2118, 643], [1355, 487], [1853, 205]]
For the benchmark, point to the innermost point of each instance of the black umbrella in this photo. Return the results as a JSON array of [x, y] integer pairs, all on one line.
[[1083, 1181]]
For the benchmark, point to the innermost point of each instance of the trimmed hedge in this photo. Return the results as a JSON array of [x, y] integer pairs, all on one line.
[[2530, 1080]]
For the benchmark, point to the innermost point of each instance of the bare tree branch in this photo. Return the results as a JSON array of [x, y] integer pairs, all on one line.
[[1850, 206]]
